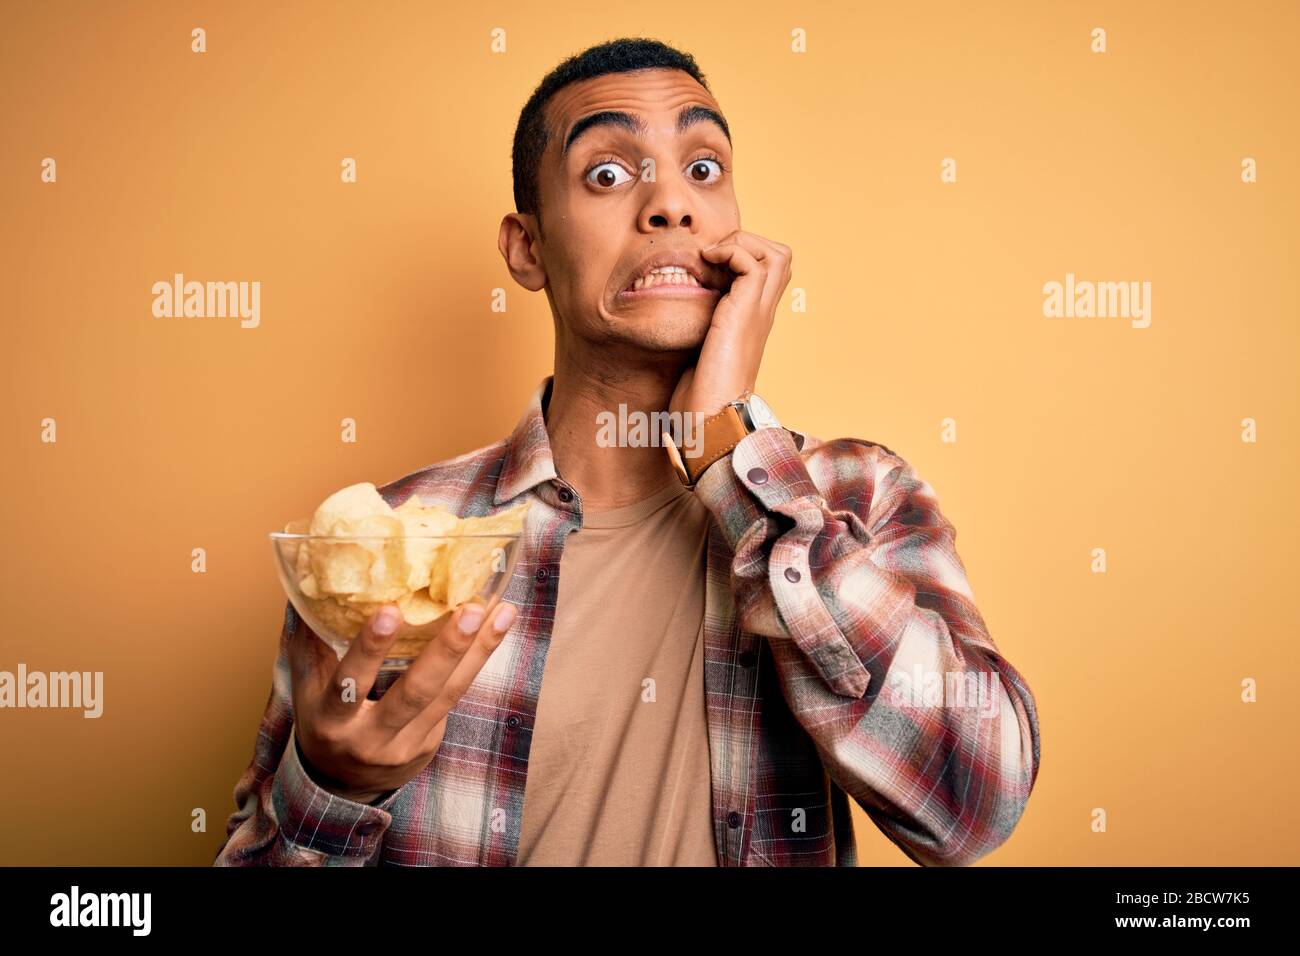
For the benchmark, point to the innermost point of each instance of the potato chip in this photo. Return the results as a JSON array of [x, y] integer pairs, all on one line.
[[470, 564], [419, 608], [437, 589], [301, 557], [422, 551], [335, 618], [510, 521], [471, 561], [348, 505], [340, 567], [382, 537]]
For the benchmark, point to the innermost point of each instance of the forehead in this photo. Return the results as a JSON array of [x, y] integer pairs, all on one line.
[[656, 94]]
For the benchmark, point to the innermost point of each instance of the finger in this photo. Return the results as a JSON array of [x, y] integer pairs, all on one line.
[[778, 277], [353, 677], [776, 259], [423, 680], [311, 660], [500, 617], [759, 248], [734, 254], [750, 274]]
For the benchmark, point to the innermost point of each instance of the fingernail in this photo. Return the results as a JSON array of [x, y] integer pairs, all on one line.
[[470, 619], [386, 623], [504, 616]]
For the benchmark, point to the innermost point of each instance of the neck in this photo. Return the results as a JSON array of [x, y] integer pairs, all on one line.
[[607, 477]]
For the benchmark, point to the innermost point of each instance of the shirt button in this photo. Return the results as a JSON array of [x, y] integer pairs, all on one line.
[[733, 819], [757, 476], [512, 721], [747, 658], [369, 827], [566, 495], [541, 574], [792, 574]]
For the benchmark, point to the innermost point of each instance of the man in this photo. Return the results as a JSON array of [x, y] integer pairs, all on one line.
[[709, 644]]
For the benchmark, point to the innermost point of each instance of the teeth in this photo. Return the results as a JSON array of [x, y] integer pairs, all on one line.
[[665, 275]]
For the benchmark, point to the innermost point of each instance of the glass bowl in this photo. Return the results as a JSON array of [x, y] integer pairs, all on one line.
[[335, 582]]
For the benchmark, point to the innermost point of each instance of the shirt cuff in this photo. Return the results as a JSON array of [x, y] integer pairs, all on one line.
[[763, 473], [312, 818]]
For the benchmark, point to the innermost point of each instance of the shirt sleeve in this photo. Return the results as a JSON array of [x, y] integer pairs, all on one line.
[[844, 562], [284, 818]]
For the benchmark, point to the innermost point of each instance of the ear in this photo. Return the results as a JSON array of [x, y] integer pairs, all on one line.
[[519, 250]]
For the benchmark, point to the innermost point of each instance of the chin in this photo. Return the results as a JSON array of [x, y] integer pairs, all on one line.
[[678, 334]]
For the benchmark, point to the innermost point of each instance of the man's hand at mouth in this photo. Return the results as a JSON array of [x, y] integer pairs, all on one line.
[[742, 319]]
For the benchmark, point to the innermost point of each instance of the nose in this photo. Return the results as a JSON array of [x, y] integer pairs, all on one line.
[[669, 204]]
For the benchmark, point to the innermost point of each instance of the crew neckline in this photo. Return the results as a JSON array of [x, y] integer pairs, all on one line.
[[636, 511]]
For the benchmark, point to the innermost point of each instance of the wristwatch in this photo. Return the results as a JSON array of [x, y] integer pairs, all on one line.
[[719, 434]]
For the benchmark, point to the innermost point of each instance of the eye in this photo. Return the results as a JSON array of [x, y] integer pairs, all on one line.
[[703, 163], [604, 174]]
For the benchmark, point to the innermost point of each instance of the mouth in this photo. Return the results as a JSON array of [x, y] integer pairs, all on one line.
[[675, 275]]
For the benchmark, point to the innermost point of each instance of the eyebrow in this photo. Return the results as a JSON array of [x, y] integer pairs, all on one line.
[[688, 117]]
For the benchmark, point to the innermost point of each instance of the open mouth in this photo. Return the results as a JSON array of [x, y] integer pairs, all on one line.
[[672, 280]]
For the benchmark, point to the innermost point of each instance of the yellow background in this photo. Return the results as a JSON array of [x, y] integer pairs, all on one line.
[[925, 302]]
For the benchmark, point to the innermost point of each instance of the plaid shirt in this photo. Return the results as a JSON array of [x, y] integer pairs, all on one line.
[[844, 657]]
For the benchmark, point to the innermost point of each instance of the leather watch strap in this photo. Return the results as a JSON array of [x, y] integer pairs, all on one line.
[[720, 433]]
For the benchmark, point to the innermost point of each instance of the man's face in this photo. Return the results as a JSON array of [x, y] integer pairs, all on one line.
[[605, 218]]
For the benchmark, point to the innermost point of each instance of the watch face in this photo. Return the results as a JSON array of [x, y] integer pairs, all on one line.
[[760, 414]]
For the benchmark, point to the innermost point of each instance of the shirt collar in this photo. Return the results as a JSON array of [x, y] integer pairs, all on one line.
[[528, 462]]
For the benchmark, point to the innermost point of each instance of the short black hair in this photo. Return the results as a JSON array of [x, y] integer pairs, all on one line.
[[623, 55]]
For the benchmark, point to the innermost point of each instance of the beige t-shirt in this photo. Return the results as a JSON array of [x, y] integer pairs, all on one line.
[[618, 770]]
